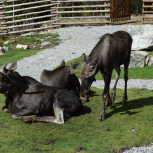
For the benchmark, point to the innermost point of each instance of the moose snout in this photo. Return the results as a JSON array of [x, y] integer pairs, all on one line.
[[84, 97]]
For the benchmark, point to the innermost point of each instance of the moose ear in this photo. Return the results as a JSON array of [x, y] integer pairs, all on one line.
[[83, 58], [75, 65], [62, 63], [13, 66]]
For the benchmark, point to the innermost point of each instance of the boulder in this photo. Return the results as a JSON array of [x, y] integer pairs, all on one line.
[[138, 59], [5, 48], [142, 36], [45, 43]]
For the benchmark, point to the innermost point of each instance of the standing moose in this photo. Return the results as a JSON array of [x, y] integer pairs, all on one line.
[[110, 52], [29, 100]]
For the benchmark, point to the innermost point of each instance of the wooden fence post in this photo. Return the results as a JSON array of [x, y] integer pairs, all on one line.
[[107, 8]]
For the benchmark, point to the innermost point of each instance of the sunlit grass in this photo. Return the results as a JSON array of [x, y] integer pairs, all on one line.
[[134, 73], [84, 130]]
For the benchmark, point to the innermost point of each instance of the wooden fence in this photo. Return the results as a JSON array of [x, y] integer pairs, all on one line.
[[38, 16], [47, 14], [147, 12], [121, 10]]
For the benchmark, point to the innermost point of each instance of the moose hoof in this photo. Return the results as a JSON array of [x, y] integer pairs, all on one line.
[[5, 109], [29, 119], [101, 120]]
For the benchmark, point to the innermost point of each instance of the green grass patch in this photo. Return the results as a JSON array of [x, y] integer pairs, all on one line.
[[34, 43], [84, 130], [134, 73]]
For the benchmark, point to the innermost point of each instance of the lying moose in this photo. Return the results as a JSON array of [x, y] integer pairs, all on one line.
[[29, 100], [110, 52], [62, 78]]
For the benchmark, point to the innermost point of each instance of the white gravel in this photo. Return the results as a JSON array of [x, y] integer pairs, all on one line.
[[78, 40]]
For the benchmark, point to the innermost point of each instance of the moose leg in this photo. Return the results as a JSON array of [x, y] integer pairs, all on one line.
[[125, 79], [24, 114], [107, 80], [113, 94], [58, 118]]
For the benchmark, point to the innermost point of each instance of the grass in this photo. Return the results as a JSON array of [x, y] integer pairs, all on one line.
[[85, 130], [33, 43], [134, 73]]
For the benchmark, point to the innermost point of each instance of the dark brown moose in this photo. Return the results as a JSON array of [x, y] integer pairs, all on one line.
[[29, 100], [110, 52], [62, 77]]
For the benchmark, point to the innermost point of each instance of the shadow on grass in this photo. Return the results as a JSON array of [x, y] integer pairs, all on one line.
[[130, 106]]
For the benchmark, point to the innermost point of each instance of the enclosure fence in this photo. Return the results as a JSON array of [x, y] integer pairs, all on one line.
[[147, 12], [19, 17]]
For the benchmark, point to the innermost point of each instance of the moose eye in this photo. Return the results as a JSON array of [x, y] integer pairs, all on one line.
[[91, 68]]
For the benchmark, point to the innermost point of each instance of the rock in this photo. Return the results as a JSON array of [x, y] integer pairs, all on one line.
[[138, 59], [1, 53], [5, 48], [147, 60], [22, 46], [45, 43], [9, 41], [26, 34], [142, 36], [150, 63], [49, 31], [1, 49]]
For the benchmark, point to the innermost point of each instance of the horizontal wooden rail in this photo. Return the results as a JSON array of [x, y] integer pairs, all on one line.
[[72, 23], [147, 22], [30, 24], [22, 4], [81, 1], [30, 8], [15, 16], [72, 12], [147, 6], [84, 17], [28, 19], [81, 6], [147, 0], [27, 30], [147, 12], [147, 17]]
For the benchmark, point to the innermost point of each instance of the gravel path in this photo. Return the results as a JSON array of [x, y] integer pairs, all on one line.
[[75, 41]]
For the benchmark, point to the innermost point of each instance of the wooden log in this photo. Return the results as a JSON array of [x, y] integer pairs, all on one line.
[[29, 8], [92, 11], [83, 6], [30, 24], [147, 12], [81, 1], [30, 3], [75, 23], [8, 17], [36, 29], [28, 19], [147, 0], [85, 17], [147, 17], [147, 6]]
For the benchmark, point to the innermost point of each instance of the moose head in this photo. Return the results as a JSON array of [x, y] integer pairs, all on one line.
[[87, 75]]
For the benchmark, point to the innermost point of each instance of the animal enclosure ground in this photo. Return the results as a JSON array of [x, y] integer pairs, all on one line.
[[33, 41], [125, 126]]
